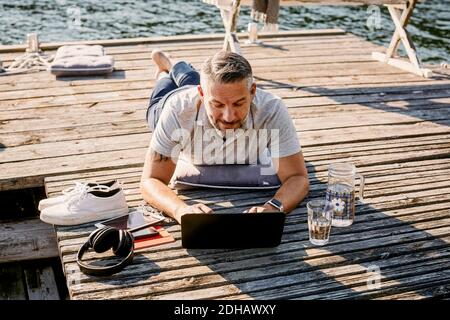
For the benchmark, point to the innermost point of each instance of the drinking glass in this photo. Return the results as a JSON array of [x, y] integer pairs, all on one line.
[[320, 215]]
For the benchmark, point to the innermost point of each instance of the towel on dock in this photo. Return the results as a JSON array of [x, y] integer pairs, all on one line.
[[266, 11], [81, 60]]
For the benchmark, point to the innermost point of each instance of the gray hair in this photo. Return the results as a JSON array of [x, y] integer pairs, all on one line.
[[226, 67]]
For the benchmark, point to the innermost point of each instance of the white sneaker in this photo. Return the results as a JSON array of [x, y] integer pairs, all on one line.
[[73, 191], [91, 204]]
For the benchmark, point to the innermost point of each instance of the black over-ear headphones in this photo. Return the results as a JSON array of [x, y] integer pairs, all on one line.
[[103, 239]]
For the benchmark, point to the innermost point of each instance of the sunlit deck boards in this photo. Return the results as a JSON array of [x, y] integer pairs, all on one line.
[[393, 125], [50, 126], [404, 229]]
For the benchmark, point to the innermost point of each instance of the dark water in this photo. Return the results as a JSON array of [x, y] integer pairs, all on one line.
[[57, 20]]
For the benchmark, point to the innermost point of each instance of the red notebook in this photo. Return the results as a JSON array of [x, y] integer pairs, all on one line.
[[154, 240]]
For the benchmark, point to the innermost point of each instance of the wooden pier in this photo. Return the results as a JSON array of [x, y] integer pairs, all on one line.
[[393, 125]]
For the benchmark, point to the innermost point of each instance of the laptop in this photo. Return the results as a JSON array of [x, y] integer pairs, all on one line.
[[232, 230]]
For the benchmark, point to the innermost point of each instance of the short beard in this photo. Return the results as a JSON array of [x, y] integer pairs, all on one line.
[[215, 124]]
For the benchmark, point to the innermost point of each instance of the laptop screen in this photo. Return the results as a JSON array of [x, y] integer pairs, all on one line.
[[232, 230]]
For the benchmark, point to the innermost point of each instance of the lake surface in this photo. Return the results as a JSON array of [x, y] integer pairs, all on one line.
[[60, 20]]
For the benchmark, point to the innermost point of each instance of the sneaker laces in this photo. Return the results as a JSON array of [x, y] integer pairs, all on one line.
[[79, 187], [76, 198]]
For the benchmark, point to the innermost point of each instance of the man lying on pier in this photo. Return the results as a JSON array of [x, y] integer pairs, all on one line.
[[220, 121]]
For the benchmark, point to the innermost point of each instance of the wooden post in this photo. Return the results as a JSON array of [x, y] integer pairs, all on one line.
[[401, 19]]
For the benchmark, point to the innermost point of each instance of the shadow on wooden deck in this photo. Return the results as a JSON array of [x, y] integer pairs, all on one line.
[[419, 101], [405, 246], [117, 75]]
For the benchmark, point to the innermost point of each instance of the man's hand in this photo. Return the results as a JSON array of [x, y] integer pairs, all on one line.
[[196, 208], [264, 208]]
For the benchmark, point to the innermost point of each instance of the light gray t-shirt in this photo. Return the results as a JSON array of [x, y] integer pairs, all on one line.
[[185, 131]]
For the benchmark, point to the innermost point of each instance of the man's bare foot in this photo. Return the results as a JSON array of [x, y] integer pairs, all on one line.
[[162, 62]]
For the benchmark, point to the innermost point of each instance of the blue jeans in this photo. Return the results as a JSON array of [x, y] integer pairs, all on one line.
[[182, 74]]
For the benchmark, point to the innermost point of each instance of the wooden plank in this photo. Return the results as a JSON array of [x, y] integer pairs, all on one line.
[[391, 186], [176, 258], [94, 118], [431, 277], [260, 62], [321, 151], [381, 170], [72, 90], [387, 185], [317, 174], [344, 99], [394, 205], [438, 291], [48, 99], [371, 119], [27, 240], [130, 176], [220, 275], [19, 174], [288, 253], [336, 136], [11, 284], [264, 83], [319, 171], [61, 149], [193, 45], [371, 224], [46, 80], [367, 104], [38, 150], [146, 80], [112, 128], [169, 39], [355, 286], [398, 197], [115, 91], [374, 175], [403, 196], [18, 84], [304, 105], [184, 49], [39, 90], [402, 193], [41, 283], [101, 144], [288, 36], [348, 286], [296, 237], [137, 126], [255, 57], [357, 89], [350, 51], [289, 244], [92, 100], [202, 49]]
